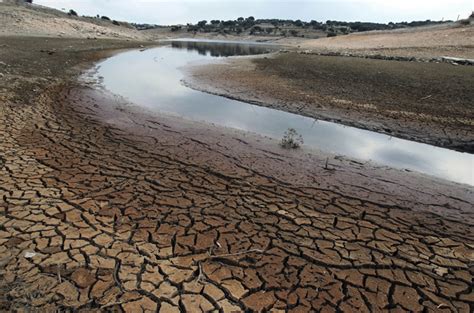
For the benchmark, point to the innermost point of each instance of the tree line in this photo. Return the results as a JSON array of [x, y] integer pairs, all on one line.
[[285, 27]]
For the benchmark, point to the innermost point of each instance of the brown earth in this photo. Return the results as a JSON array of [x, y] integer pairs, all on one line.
[[103, 207], [425, 102], [34, 20], [454, 40]]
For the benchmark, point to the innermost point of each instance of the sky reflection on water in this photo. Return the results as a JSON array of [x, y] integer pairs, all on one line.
[[152, 79]]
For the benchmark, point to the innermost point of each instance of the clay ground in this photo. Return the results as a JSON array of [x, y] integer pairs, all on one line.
[[105, 208]]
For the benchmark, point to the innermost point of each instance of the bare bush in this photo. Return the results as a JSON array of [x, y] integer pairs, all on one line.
[[291, 139]]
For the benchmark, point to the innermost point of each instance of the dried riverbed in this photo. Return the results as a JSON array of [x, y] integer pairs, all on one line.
[[106, 207], [153, 79], [425, 102]]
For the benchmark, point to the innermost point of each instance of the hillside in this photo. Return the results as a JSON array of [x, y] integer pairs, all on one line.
[[35, 20], [452, 39]]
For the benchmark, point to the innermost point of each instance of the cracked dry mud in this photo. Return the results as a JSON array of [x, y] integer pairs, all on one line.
[[154, 218]]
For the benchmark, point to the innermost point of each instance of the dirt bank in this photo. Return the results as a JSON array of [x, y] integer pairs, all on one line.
[[453, 40], [34, 20], [425, 102], [103, 207]]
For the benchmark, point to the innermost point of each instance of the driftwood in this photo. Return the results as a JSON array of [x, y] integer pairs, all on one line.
[[458, 60]]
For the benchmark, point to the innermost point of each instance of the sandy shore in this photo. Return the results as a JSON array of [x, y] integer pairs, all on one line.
[[103, 206]]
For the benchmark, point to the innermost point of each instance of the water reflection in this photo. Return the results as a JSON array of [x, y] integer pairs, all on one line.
[[152, 79], [220, 49]]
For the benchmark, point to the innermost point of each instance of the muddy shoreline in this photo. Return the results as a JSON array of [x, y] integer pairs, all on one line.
[[398, 98], [121, 210]]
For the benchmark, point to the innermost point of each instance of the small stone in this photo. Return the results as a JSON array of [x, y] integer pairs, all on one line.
[[29, 255]]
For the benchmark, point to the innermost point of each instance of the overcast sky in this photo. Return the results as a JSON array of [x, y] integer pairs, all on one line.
[[165, 12]]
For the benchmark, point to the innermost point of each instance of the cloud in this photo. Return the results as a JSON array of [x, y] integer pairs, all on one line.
[[184, 11]]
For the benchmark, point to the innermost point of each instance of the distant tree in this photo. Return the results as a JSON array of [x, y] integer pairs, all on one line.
[[298, 23], [256, 29], [249, 22], [215, 22], [269, 30], [106, 18], [72, 13], [115, 23], [192, 28], [240, 19], [29, 1], [228, 23], [202, 23]]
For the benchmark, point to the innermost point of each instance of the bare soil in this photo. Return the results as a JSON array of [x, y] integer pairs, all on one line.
[[455, 40], [34, 20], [107, 208]]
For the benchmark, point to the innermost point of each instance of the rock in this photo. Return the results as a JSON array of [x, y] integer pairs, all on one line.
[[29, 255]]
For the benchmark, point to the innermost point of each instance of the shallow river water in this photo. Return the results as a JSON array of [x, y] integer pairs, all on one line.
[[152, 79]]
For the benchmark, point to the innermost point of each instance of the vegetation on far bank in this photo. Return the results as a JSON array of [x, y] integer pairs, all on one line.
[[269, 27], [286, 27]]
